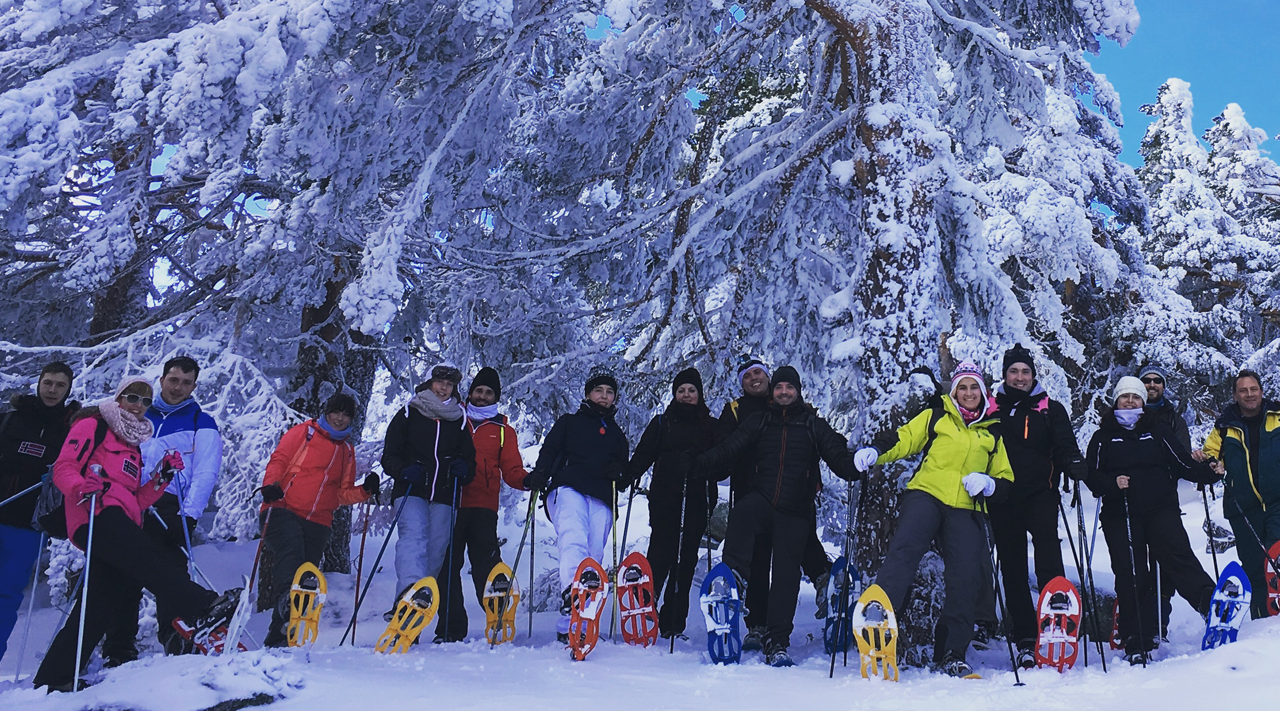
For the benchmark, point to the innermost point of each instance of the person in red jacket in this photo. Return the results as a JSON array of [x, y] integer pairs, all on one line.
[[101, 464], [476, 528], [311, 473]]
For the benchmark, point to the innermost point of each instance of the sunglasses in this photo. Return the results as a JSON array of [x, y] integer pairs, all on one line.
[[1149, 380], [134, 399]]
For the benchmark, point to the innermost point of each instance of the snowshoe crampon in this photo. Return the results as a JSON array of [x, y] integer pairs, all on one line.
[[635, 601], [415, 609], [501, 596], [722, 609], [1116, 641], [1228, 607], [875, 627], [209, 635], [1273, 579], [1058, 632], [842, 595], [306, 599], [587, 597]]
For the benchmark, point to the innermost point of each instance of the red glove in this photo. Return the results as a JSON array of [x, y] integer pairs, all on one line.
[[172, 462], [89, 486]]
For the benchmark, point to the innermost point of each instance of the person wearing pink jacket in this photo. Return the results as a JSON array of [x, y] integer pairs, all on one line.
[[101, 462]]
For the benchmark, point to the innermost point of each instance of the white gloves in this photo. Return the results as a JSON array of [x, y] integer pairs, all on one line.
[[865, 458], [979, 484]]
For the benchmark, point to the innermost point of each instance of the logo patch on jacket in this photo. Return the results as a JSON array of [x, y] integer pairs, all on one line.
[[130, 467], [34, 449]]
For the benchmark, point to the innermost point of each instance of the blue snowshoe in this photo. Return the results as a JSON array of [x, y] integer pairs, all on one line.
[[843, 586], [722, 609], [1228, 607]]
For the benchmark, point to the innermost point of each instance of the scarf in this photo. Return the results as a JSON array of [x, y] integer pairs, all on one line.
[[428, 404], [1128, 419], [129, 430], [165, 408], [480, 414], [336, 435], [969, 416]]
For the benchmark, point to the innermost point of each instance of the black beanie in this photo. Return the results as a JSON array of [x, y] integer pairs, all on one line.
[[598, 378], [487, 377], [341, 402], [1018, 354], [787, 374], [690, 376]]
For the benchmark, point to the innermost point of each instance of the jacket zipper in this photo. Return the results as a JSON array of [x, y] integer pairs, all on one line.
[[782, 458]]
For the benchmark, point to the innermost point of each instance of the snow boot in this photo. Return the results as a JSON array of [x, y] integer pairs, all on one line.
[[219, 611], [821, 598], [562, 638], [1026, 656], [776, 656], [1137, 658], [754, 641], [954, 666]]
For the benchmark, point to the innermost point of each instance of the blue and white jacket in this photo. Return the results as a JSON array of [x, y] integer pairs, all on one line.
[[192, 433]]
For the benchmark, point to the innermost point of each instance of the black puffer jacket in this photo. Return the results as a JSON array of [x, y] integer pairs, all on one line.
[[735, 412], [584, 451], [414, 437], [31, 435], [1153, 459], [1037, 437], [785, 444], [681, 430]]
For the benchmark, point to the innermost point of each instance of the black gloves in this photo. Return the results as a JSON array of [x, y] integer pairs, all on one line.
[[536, 481], [459, 469], [1078, 470], [271, 493], [372, 486], [415, 473]]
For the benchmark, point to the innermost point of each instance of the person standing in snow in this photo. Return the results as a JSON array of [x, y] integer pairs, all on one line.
[[101, 463], [582, 465], [180, 426], [476, 529], [680, 501], [964, 465], [1162, 406], [429, 453], [753, 375], [1135, 462], [310, 474], [785, 443], [1246, 437], [1041, 445], [31, 435]]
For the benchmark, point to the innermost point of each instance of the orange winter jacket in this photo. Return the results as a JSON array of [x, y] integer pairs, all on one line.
[[317, 473], [497, 460]]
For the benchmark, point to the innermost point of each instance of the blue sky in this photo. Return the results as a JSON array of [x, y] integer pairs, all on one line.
[[1228, 50]]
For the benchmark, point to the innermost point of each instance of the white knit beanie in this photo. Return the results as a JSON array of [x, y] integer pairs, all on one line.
[[1128, 385]]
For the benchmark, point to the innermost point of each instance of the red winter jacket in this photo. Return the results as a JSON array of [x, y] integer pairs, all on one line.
[[121, 466], [497, 460], [317, 473]]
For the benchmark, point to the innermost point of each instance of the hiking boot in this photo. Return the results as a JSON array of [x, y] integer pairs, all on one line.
[[776, 655], [562, 637], [1026, 658], [822, 597], [754, 641], [1137, 658], [954, 666], [219, 612]]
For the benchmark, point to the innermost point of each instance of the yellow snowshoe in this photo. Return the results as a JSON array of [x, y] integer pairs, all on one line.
[[306, 599], [875, 627], [501, 596], [416, 608]]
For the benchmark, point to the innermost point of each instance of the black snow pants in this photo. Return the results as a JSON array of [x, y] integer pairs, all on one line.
[[673, 552], [1034, 513], [475, 532], [292, 540], [751, 518]]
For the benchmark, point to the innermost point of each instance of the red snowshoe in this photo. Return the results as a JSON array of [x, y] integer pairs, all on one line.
[[1058, 636], [636, 601], [587, 597]]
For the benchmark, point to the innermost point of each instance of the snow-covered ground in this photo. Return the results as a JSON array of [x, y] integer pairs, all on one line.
[[536, 673]]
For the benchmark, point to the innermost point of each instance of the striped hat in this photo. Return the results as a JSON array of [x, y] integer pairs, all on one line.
[[968, 370]]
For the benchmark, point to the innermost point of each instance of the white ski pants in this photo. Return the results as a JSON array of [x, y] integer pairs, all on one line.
[[582, 527]]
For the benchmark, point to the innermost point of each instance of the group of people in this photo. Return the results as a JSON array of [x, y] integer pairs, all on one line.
[[145, 466]]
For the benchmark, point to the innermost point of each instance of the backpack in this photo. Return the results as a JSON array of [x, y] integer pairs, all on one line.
[[50, 516]]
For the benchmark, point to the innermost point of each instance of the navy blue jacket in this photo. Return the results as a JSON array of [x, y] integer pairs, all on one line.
[[584, 451]]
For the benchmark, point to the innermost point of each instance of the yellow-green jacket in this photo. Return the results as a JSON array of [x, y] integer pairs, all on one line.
[[1248, 488], [956, 450]]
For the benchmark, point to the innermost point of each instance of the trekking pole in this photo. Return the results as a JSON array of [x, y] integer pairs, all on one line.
[[1087, 584], [192, 569], [613, 619], [675, 567], [84, 589], [626, 524], [372, 571], [31, 605], [448, 585], [1087, 611], [842, 587], [1266, 554], [21, 494], [364, 533], [1137, 599], [1004, 611], [1093, 539], [533, 551], [515, 566], [1208, 526]]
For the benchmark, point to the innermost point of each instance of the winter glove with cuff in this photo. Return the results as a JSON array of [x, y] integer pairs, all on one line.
[[414, 473], [90, 486], [271, 493], [459, 469], [372, 486], [865, 458], [979, 484], [1078, 470]]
